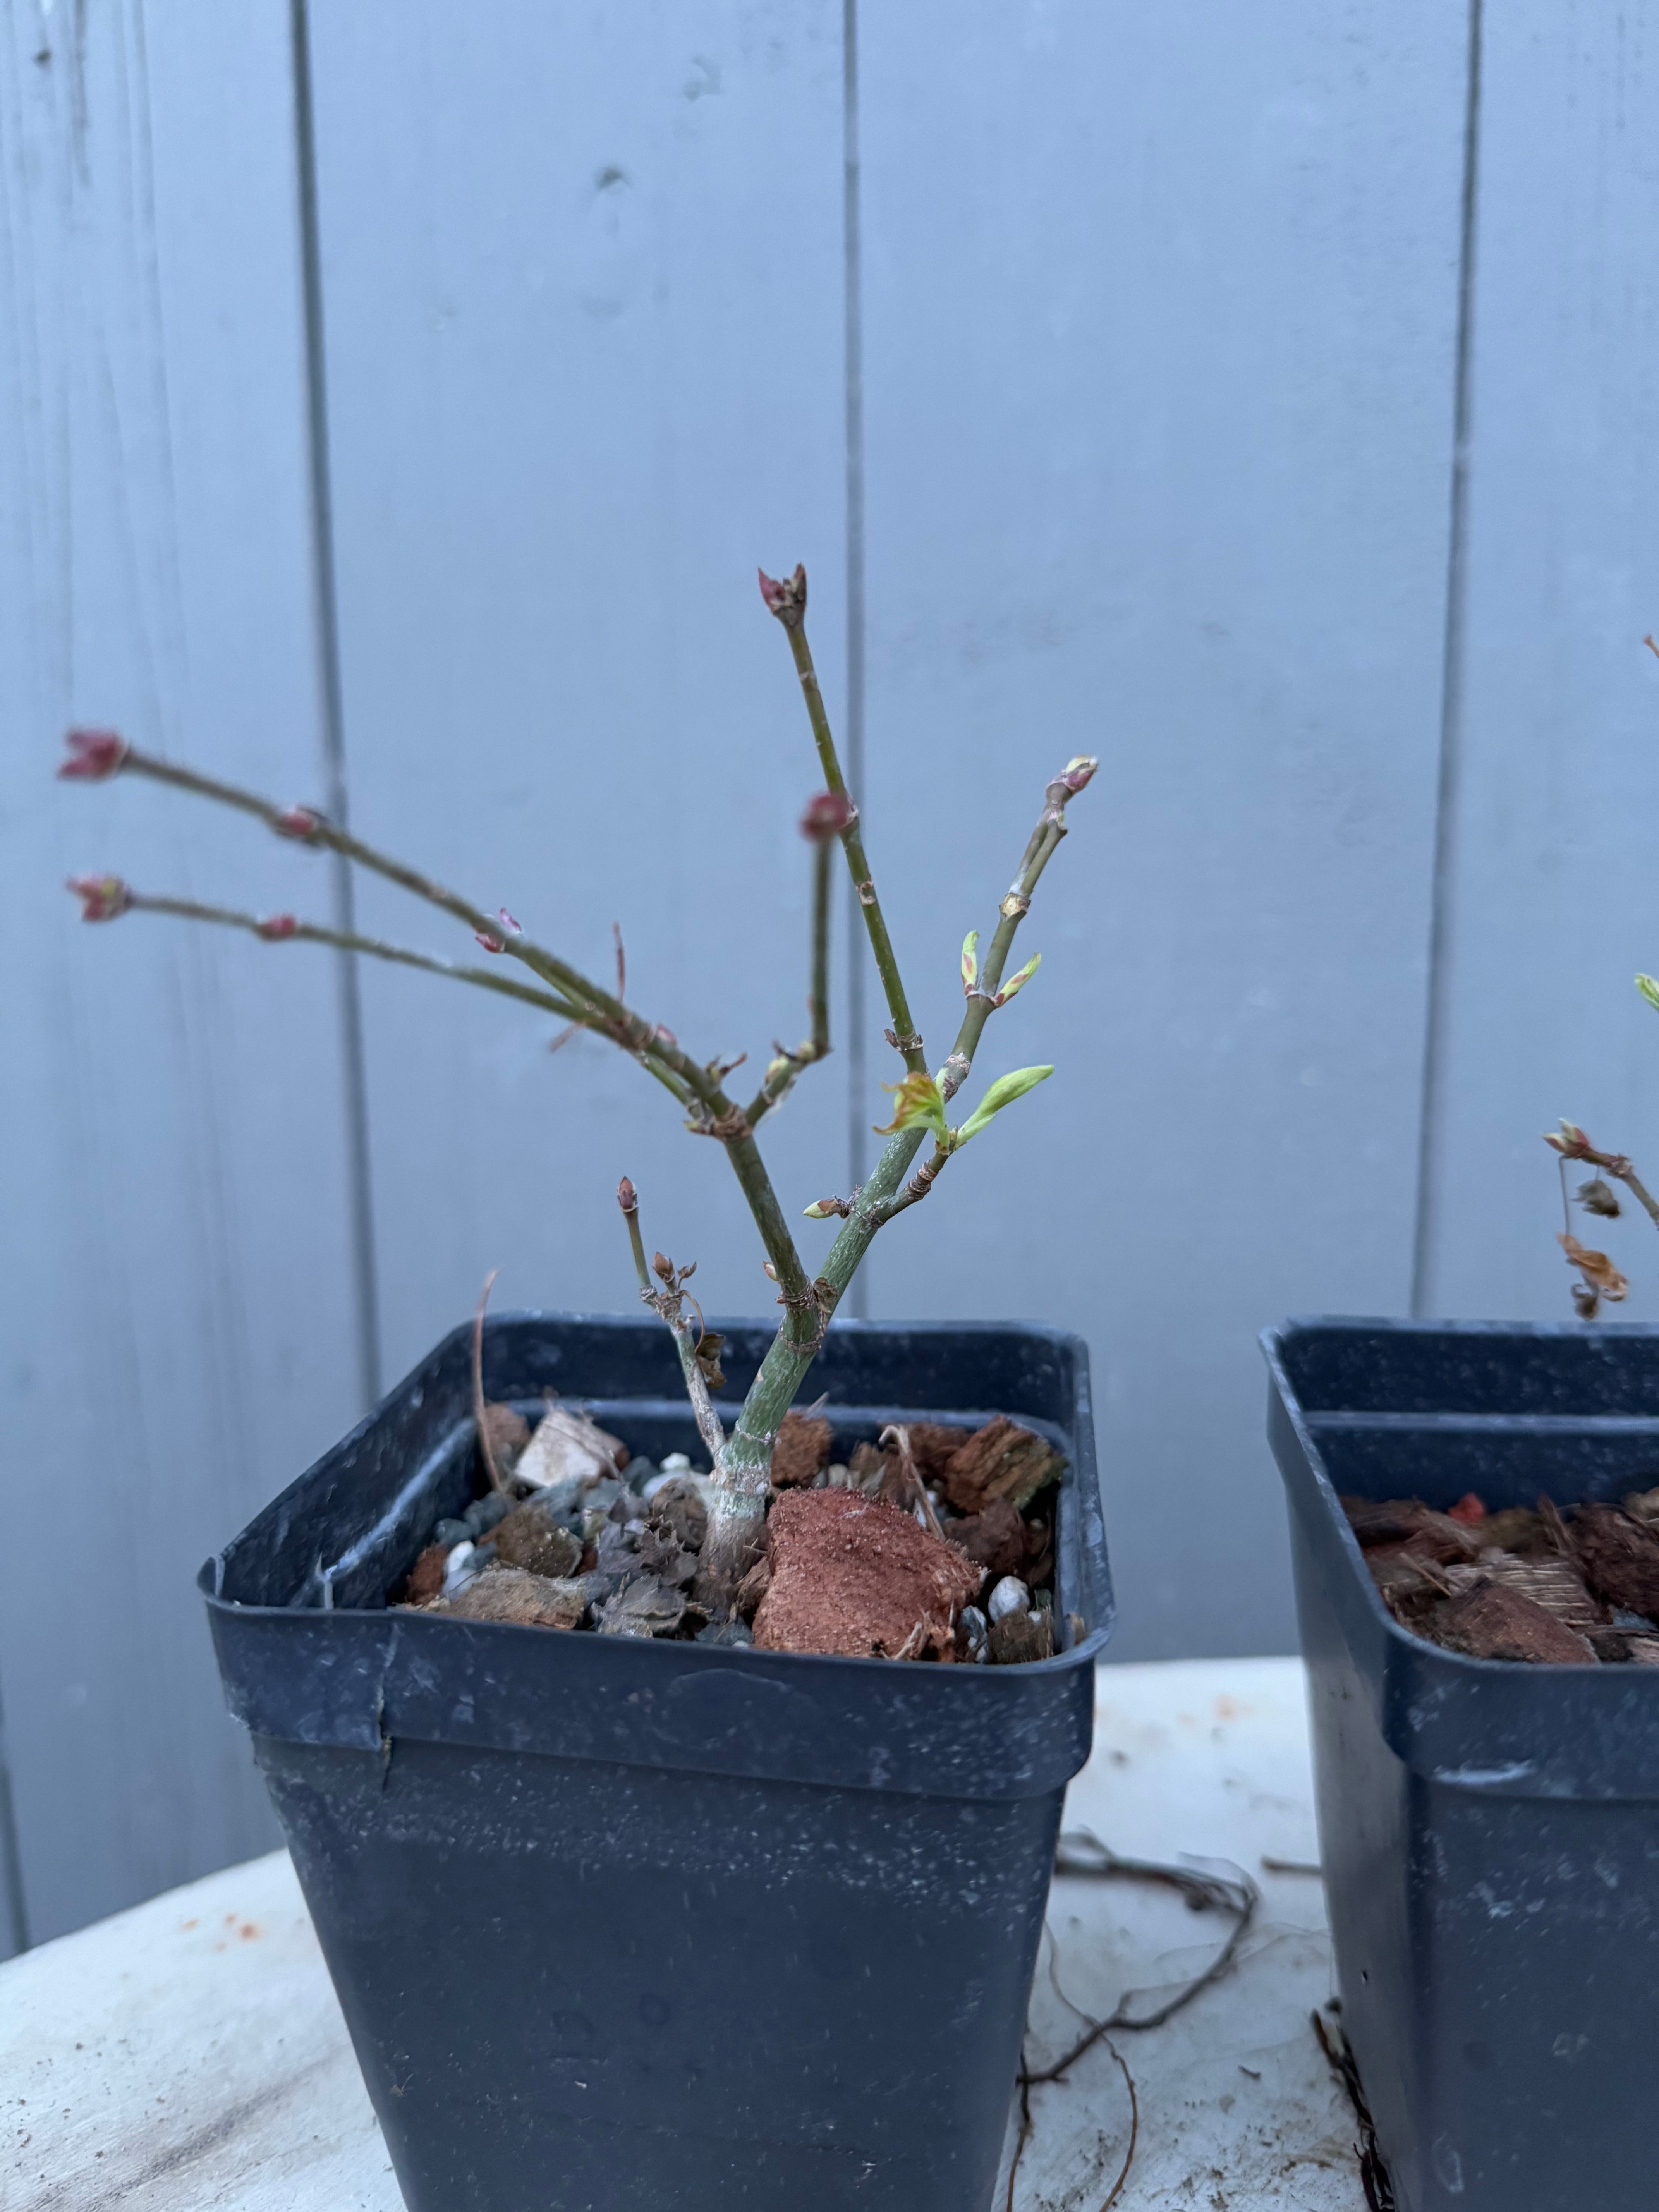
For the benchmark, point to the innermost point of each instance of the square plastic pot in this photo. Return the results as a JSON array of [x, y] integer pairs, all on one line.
[[1489, 1831], [621, 1924]]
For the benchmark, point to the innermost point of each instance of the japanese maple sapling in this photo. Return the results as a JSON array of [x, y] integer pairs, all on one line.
[[740, 1459]]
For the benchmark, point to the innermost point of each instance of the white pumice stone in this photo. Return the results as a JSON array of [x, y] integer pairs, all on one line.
[[1009, 1595], [458, 1570]]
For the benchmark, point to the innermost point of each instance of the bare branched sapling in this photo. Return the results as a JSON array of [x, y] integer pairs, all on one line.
[[740, 1457]]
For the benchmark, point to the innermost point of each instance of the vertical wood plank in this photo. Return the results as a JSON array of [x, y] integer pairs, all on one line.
[[1159, 336], [1551, 908], [175, 1306], [583, 302]]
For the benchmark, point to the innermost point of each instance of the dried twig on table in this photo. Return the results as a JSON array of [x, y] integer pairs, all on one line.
[[1083, 1855], [1134, 2126], [1373, 2173]]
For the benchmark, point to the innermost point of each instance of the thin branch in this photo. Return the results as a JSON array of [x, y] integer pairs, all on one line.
[[782, 1073], [628, 1199], [982, 1001], [781, 1371], [304, 825], [788, 601], [818, 1000], [285, 929], [1571, 1144], [478, 1408]]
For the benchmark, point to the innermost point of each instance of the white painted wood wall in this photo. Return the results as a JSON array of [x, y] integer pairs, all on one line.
[[1241, 393]]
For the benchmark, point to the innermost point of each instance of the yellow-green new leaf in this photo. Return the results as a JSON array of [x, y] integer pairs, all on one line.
[[1019, 982], [1003, 1093], [969, 960], [918, 1098], [1650, 990]]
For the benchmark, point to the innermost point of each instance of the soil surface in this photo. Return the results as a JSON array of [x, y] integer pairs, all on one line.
[[1543, 1585], [928, 1541]]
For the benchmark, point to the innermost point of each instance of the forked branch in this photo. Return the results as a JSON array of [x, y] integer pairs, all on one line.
[[787, 599]]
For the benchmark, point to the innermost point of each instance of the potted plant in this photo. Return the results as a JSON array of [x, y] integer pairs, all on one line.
[[693, 1848], [1474, 1517]]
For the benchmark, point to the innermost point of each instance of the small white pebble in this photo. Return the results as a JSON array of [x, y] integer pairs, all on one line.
[[675, 1463], [458, 1570], [1009, 1595]]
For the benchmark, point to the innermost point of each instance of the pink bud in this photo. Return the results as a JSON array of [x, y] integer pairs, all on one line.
[[489, 944], [509, 923], [301, 822], [627, 1197], [93, 754], [828, 813], [785, 596], [102, 897], [276, 926], [1076, 772]]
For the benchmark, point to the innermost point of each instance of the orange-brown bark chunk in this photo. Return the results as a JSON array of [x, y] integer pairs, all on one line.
[[853, 1576]]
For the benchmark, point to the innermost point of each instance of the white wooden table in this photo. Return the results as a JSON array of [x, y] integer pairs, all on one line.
[[189, 2054]]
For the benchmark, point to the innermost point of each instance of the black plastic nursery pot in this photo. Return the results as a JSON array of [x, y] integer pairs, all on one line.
[[1489, 1831], [620, 1923]]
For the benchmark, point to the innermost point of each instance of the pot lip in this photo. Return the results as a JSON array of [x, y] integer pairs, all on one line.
[[1616, 1681], [368, 1619]]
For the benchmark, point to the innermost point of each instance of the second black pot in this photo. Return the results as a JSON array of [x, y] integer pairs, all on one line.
[[1489, 1831], [617, 1925]]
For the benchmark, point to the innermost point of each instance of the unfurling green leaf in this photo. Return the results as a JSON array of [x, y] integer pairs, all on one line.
[[1003, 1093], [1649, 988], [918, 1098], [1018, 983], [817, 1211], [969, 960]]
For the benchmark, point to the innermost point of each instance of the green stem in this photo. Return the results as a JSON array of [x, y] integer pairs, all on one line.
[[781, 1074], [309, 932], [630, 1202], [852, 843], [786, 1361], [800, 1299], [818, 998]]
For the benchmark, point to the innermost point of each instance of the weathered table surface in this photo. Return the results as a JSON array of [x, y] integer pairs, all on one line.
[[189, 2054]]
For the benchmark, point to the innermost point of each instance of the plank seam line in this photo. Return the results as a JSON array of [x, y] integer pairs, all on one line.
[[366, 1301], [1448, 793], [852, 280]]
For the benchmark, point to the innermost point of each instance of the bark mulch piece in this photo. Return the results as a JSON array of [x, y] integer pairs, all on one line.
[[426, 1577], [1022, 1636], [1490, 1621], [529, 1537], [802, 1448], [511, 1594], [1619, 1555], [932, 1447], [996, 1539], [1551, 1583], [855, 1577], [1001, 1460]]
